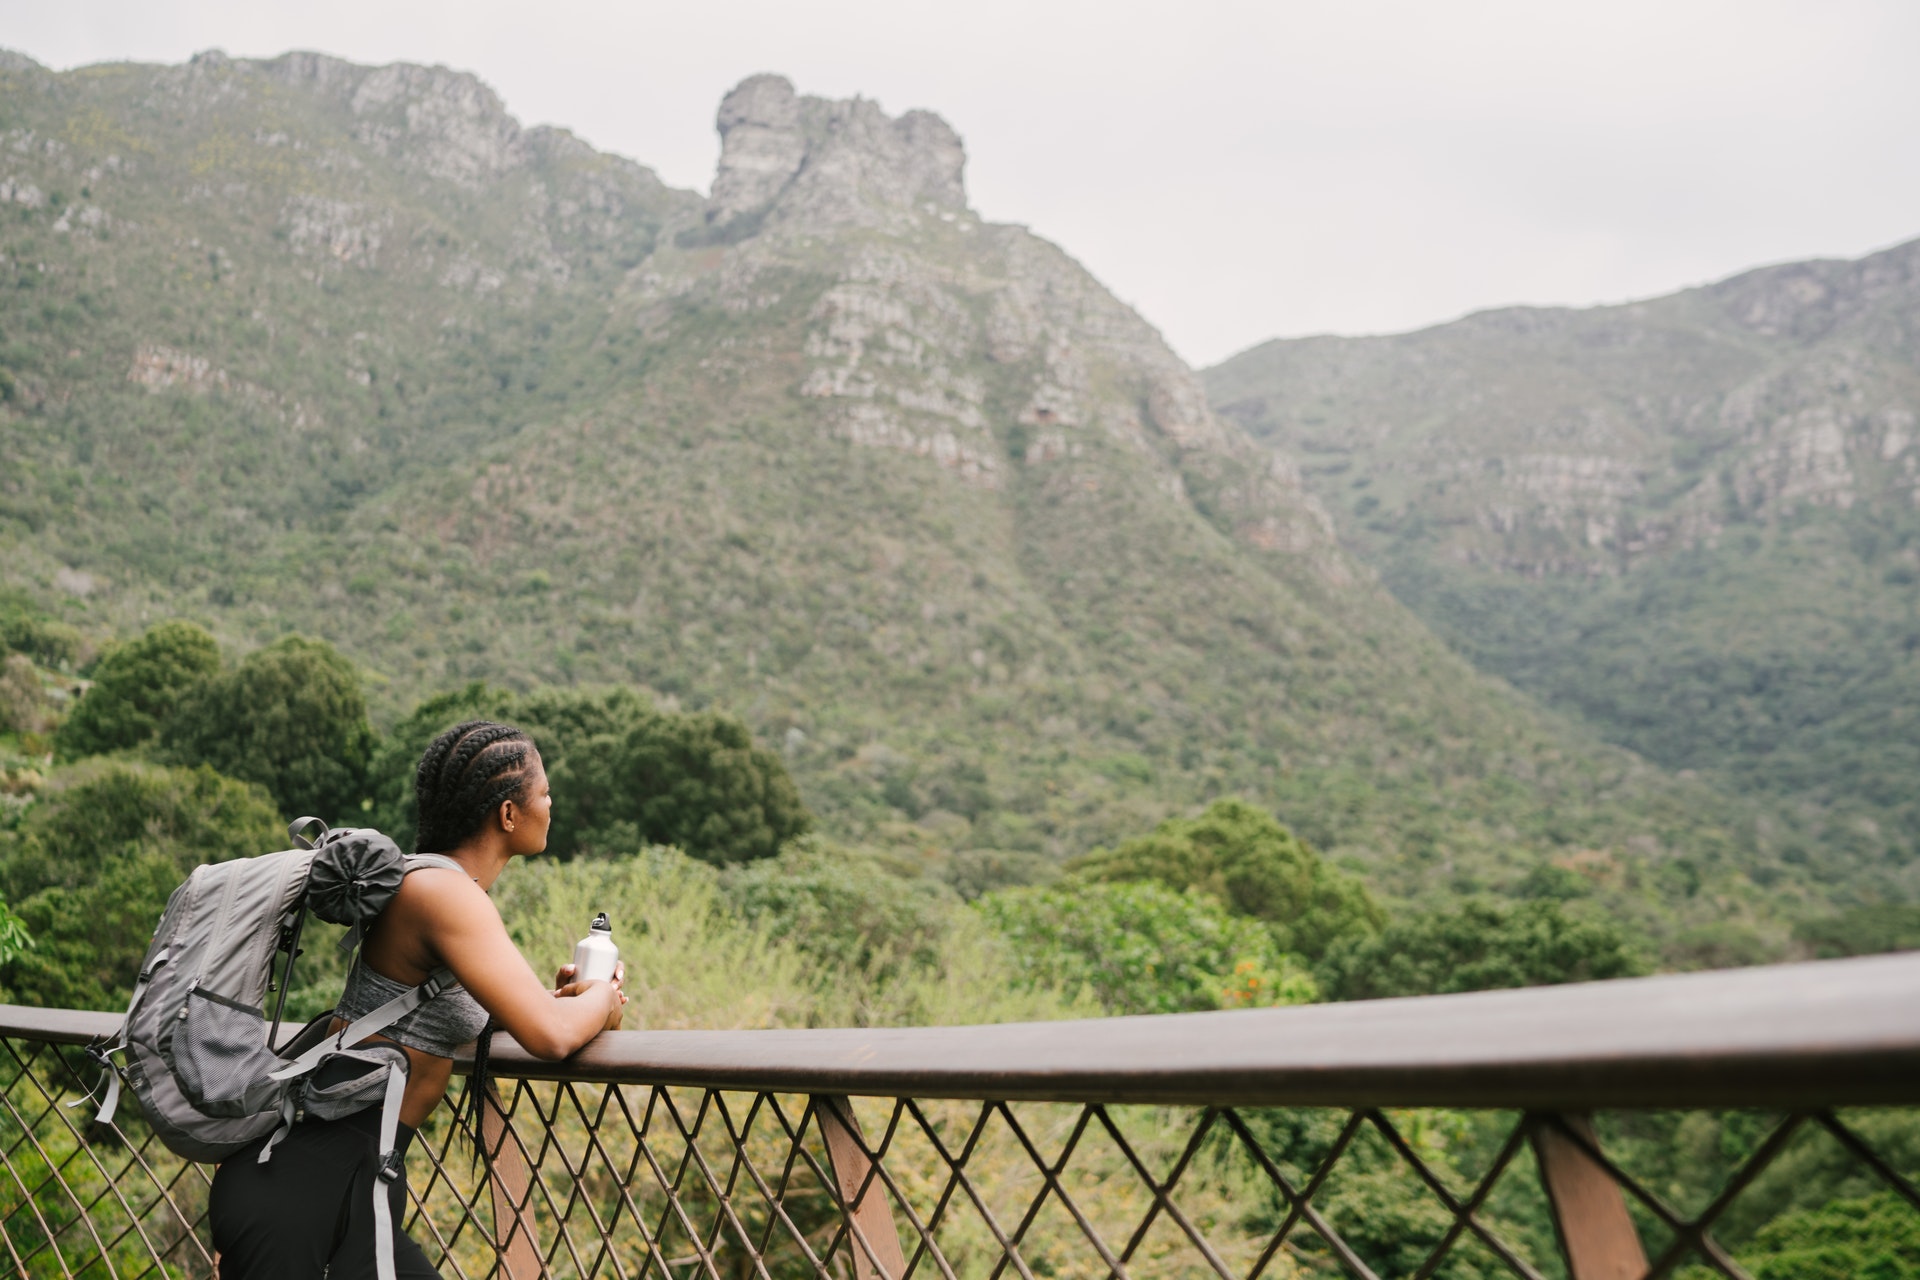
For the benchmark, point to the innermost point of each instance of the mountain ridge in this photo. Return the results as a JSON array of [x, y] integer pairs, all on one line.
[[945, 521]]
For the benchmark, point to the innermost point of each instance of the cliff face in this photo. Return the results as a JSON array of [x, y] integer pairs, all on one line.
[[1691, 519], [296, 344]]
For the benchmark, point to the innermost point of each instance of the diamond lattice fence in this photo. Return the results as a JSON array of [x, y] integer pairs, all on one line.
[[592, 1179]]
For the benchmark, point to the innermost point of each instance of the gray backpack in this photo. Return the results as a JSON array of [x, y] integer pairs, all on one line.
[[200, 1053]]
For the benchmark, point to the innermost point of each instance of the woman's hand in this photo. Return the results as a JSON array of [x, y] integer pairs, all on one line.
[[564, 987]]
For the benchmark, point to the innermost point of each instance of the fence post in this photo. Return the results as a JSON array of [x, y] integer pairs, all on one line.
[[1589, 1210], [847, 1153], [511, 1182]]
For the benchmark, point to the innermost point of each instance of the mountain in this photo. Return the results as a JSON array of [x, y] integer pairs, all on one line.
[[1689, 521], [301, 345]]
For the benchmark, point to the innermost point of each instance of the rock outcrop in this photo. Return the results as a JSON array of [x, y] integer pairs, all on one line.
[[905, 346], [829, 162]]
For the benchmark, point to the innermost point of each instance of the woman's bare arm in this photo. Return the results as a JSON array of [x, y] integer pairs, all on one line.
[[464, 932]]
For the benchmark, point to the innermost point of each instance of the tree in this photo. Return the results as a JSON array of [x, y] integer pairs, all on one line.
[[624, 773], [700, 782], [292, 718], [90, 866], [1141, 947], [390, 775], [25, 629], [1242, 857], [136, 689], [1477, 946]]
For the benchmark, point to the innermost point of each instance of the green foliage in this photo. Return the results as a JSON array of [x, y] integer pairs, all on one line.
[[25, 629], [89, 868], [1478, 945], [699, 782], [1242, 857], [136, 688], [1140, 947], [973, 872], [15, 937], [624, 773], [701, 953], [851, 911], [1379, 1205], [1863, 931], [1781, 663], [1695, 588], [390, 774], [23, 698], [290, 717], [1873, 1238]]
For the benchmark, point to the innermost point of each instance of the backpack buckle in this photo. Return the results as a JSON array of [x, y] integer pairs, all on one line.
[[390, 1166]]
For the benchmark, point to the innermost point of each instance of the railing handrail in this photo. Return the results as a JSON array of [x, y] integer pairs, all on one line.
[[1816, 1034]]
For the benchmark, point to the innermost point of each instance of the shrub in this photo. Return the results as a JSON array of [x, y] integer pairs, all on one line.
[[850, 911], [24, 706], [1140, 947], [136, 689], [292, 718], [1872, 1238]]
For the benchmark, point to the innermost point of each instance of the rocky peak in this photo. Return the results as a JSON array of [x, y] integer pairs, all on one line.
[[447, 123], [817, 159]]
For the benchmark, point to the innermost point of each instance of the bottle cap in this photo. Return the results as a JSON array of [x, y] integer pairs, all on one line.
[[601, 924]]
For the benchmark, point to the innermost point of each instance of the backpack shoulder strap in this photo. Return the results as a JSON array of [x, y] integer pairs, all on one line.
[[370, 1023]]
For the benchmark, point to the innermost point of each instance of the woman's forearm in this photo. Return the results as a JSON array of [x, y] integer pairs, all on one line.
[[570, 1021]]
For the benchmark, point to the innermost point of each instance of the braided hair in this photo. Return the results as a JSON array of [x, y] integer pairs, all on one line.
[[467, 773]]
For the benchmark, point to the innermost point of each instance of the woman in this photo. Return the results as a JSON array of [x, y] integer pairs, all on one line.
[[483, 801]]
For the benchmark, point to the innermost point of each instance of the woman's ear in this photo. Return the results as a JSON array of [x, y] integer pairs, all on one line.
[[509, 814]]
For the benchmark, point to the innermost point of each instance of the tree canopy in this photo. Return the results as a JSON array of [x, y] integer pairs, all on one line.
[[624, 773], [1243, 858], [137, 687], [90, 865], [291, 717], [1478, 945], [1863, 931]]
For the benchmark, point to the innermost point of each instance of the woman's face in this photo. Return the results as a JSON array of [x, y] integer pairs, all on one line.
[[527, 823]]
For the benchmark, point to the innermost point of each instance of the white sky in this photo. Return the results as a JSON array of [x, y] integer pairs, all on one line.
[[1237, 170]]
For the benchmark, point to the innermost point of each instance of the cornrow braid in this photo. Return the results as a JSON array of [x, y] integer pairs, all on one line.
[[466, 774]]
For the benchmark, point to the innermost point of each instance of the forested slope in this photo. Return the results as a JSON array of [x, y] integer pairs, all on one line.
[[1691, 521], [302, 346]]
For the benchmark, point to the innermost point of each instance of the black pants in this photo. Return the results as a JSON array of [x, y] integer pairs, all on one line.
[[308, 1211]]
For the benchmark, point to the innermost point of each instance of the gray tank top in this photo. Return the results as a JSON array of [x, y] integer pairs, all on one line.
[[439, 1026], [450, 1019]]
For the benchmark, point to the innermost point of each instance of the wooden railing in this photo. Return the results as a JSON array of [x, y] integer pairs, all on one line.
[[1369, 1139]]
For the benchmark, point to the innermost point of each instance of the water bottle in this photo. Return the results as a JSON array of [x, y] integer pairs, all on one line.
[[595, 955]]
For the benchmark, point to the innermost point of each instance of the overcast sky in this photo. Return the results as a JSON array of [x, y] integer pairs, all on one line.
[[1237, 171]]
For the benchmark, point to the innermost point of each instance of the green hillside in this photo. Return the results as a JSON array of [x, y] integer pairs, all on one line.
[[1690, 521], [297, 345]]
